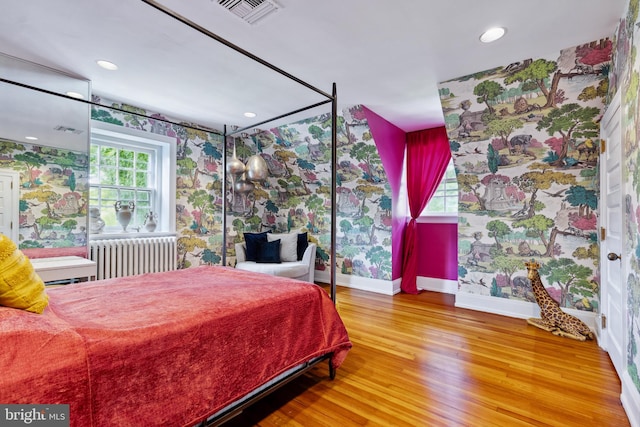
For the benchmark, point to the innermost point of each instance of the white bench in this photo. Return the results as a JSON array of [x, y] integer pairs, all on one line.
[[64, 268]]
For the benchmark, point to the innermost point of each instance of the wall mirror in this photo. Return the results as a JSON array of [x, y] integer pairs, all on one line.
[[175, 75], [44, 140]]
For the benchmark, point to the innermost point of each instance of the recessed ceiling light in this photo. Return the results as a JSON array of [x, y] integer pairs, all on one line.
[[31, 138], [75, 95], [492, 34], [107, 65], [250, 114]]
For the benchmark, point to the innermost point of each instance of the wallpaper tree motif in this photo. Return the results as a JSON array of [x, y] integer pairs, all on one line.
[[297, 195], [53, 194], [626, 66], [198, 183], [524, 139]]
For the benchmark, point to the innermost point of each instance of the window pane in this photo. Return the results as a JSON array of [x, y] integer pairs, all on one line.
[[141, 179], [445, 199], [142, 161], [126, 158], [127, 195], [108, 176], [436, 204], [140, 214], [108, 156], [450, 174], [125, 177], [109, 194], [93, 155], [117, 171], [452, 205]]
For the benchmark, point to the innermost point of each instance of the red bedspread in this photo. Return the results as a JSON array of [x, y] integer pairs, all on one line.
[[165, 348]]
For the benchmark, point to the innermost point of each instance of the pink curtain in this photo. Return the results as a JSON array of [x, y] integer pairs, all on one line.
[[428, 155]]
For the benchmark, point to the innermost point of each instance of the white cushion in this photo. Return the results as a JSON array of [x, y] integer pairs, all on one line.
[[290, 269], [288, 245]]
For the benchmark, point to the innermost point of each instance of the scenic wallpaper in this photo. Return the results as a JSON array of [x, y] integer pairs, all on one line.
[[294, 197], [198, 179], [524, 141], [53, 194], [625, 77]]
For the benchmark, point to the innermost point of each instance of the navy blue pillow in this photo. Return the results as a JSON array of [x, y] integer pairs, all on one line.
[[251, 242], [269, 252], [303, 243]]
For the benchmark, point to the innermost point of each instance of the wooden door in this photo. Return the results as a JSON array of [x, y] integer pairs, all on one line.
[[9, 204], [612, 280]]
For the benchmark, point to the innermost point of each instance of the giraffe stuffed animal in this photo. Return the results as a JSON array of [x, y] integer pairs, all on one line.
[[553, 319]]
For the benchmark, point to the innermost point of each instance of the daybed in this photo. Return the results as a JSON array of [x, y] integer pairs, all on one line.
[[303, 269], [165, 349]]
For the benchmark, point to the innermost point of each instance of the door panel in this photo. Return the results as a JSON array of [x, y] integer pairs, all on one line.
[[9, 204], [612, 213]]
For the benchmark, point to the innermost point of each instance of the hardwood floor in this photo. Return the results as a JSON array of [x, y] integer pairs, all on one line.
[[420, 361]]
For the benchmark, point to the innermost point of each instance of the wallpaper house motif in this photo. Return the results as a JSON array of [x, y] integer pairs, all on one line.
[[625, 79], [53, 194], [296, 196], [524, 140]]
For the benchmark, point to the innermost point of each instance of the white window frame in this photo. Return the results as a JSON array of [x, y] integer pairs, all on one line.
[[164, 175], [441, 187]]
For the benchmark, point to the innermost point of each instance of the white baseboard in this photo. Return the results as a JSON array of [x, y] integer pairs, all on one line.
[[514, 308], [396, 285], [386, 287], [630, 400], [437, 285]]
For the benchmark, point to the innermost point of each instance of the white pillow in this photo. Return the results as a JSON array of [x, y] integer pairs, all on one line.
[[288, 245]]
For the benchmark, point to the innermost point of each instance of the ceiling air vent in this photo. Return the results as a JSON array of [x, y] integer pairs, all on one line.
[[67, 129], [250, 11]]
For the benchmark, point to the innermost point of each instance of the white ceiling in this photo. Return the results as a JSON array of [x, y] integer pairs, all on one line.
[[387, 55]]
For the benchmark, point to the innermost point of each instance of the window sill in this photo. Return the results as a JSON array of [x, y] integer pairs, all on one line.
[[131, 235], [438, 219]]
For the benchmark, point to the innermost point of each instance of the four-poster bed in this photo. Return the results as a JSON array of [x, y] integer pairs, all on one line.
[[186, 347], [177, 348]]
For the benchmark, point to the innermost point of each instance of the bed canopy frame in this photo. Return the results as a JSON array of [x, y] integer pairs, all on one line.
[[330, 98], [236, 407], [228, 133]]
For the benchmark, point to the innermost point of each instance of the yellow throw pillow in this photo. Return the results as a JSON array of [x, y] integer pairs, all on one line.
[[20, 285]]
